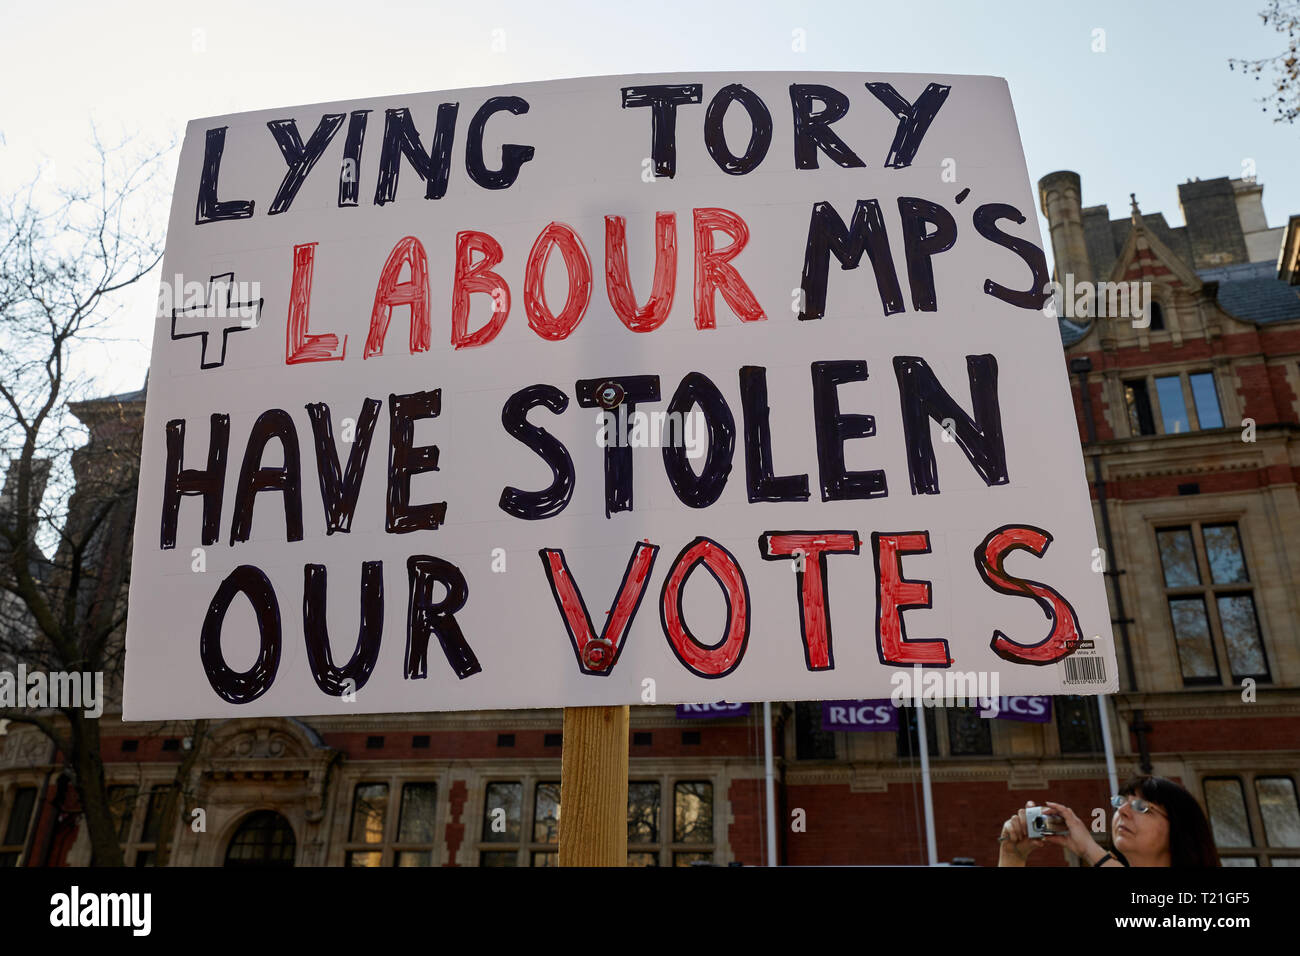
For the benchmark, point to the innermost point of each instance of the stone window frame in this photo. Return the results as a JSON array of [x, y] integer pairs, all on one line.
[[1208, 591], [1184, 374], [8, 798], [1258, 851], [136, 850], [390, 845], [666, 848]]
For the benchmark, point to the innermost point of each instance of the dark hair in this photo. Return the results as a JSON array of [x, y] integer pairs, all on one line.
[[1191, 841]]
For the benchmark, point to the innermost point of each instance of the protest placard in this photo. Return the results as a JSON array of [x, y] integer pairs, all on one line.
[[617, 390]]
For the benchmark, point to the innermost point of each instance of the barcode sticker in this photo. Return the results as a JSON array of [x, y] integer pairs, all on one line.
[[1085, 670], [1087, 665]]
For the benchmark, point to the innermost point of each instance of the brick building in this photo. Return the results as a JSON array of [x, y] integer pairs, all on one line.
[[1189, 427]]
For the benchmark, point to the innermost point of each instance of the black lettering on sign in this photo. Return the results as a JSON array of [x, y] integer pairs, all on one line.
[[812, 130], [827, 234], [298, 157], [513, 156], [702, 490], [615, 394], [554, 498], [425, 616], [209, 483], [760, 137], [405, 460], [923, 398], [913, 119], [663, 102], [331, 679], [210, 208], [986, 224], [242, 687], [339, 493], [401, 138], [273, 423], [835, 428], [761, 481], [919, 245], [350, 169]]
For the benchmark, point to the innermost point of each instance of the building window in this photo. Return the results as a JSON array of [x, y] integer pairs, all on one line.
[[416, 825], [909, 738], [810, 741], [1173, 409], [1140, 419], [643, 822], [1206, 398], [503, 807], [1175, 396], [1078, 725], [692, 822], [366, 832], [1157, 317], [264, 839], [146, 849], [20, 821], [1211, 603], [546, 824], [374, 839], [121, 807], [968, 732], [1256, 821], [1280, 811]]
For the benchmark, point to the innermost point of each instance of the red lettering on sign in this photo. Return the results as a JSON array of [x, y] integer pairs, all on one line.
[[390, 293], [474, 277], [895, 594], [990, 557], [713, 271], [702, 659], [299, 344], [619, 285]]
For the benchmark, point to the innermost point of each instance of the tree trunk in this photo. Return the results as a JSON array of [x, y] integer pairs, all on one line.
[[176, 798], [93, 792]]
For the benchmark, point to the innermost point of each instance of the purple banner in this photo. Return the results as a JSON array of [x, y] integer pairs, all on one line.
[[720, 709], [1034, 710], [859, 715]]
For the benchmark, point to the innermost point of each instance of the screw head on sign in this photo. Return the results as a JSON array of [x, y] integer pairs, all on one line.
[[598, 653], [609, 395]]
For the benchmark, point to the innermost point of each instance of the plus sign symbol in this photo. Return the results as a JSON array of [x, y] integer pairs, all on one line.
[[215, 320]]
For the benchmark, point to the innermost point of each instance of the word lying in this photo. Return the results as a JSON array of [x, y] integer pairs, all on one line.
[[60, 690], [597, 653], [815, 108], [921, 396]]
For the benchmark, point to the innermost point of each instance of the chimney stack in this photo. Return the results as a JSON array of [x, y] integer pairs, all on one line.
[[1061, 196]]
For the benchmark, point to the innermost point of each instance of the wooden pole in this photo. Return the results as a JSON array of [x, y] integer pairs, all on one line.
[[593, 787]]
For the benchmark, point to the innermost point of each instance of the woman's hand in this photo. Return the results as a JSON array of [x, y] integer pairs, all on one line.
[[1078, 839], [1014, 842]]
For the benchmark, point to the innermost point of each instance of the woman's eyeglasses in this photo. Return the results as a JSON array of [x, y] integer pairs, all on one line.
[[1137, 803]]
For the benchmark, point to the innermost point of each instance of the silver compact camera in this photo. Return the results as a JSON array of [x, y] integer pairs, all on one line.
[[1041, 822]]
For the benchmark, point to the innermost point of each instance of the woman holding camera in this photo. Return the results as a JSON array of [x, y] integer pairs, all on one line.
[[1156, 823]]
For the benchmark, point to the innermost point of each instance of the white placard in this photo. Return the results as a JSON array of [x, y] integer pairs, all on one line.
[[476, 271]]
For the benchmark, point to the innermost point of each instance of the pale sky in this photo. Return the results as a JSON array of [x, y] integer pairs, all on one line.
[[1157, 107]]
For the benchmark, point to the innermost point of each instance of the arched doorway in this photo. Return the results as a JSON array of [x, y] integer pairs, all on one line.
[[264, 839]]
